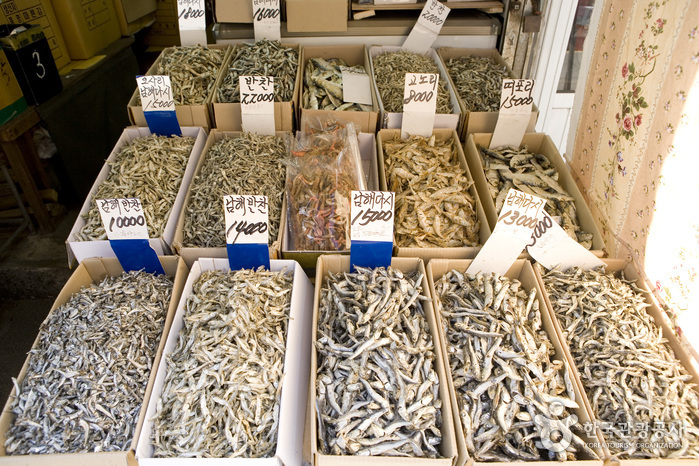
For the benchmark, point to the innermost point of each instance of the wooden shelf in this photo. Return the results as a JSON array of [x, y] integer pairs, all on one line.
[[485, 6]]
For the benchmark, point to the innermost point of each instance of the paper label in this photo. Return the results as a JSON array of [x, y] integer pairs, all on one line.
[[419, 104], [156, 93], [356, 86], [247, 219], [123, 218], [266, 19], [427, 27], [192, 21], [257, 104], [515, 112], [372, 216]]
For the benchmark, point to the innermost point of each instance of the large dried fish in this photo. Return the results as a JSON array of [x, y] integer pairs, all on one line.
[[637, 388], [377, 391], [87, 375], [224, 378], [433, 207], [478, 81], [322, 85]]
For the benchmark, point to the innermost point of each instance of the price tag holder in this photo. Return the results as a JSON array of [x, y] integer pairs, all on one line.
[[371, 229], [127, 232], [247, 231], [427, 28], [515, 112], [513, 231], [257, 104], [356, 86], [158, 105], [192, 21], [419, 104], [266, 19], [551, 246]]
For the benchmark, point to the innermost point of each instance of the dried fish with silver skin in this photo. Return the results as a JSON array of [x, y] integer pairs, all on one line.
[[263, 58], [514, 401], [433, 206], [150, 168], [377, 391], [389, 72], [478, 81], [87, 375], [322, 85], [221, 394], [249, 164], [532, 173], [629, 372]]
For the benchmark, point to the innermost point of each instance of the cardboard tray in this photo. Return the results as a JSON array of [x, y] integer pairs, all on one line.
[[88, 272], [523, 271], [465, 252], [82, 249], [353, 55], [227, 115], [448, 448], [394, 120], [191, 254], [296, 373]]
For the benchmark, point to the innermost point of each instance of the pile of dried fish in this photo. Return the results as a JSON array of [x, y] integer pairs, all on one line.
[[224, 378], [534, 174], [150, 168], [433, 207], [322, 85], [514, 401], [377, 391], [87, 375], [637, 388], [249, 164], [478, 81], [263, 58], [389, 72]]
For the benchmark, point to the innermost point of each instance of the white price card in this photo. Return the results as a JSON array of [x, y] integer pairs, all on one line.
[[551, 246], [156, 93], [513, 231], [266, 19], [247, 219], [257, 104], [515, 112], [427, 28], [123, 218], [191, 18], [419, 104], [372, 216], [356, 86]]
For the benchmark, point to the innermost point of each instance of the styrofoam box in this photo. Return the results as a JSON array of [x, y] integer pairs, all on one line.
[[81, 250]]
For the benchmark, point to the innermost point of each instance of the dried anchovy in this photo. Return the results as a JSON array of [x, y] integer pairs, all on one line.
[[249, 164], [263, 58], [512, 397], [433, 207], [478, 81], [87, 375], [377, 391], [224, 378], [150, 168], [322, 85], [389, 72], [629, 372], [508, 167]]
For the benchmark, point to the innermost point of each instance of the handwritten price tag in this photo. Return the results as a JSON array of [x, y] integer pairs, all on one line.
[[156, 93], [257, 104], [419, 104], [515, 112], [247, 219], [266, 19], [427, 28], [192, 21], [372, 215], [356, 86], [123, 218]]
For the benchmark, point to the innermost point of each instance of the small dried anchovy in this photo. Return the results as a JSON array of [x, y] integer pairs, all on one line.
[[87, 375], [224, 378], [263, 58], [249, 164], [389, 72], [478, 81], [150, 168], [322, 85]]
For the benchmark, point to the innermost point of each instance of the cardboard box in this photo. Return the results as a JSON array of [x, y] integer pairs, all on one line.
[[394, 120], [37, 12], [187, 115], [316, 15], [88, 26], [353, 55], [522, 271], [191, 254], [542, 144], [233, 11], [296, 373], [227, 115], [465, 252], [448, 448], [479, 122], [12, 101], [367, 149], [81, 250], [88, 272], [134, 15], [165, 31]]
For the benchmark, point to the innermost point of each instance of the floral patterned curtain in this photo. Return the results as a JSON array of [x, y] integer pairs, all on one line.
[[636, 150]]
